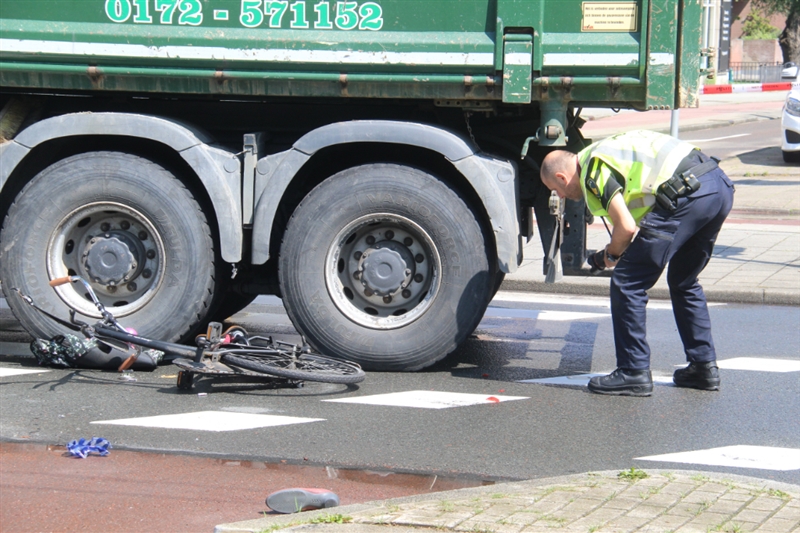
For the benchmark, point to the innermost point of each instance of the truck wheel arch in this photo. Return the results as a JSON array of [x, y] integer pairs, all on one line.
[[218, 170], [491, 179]]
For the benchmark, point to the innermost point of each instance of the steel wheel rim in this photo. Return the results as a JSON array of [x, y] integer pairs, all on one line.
[[383, 271], [114, 228]]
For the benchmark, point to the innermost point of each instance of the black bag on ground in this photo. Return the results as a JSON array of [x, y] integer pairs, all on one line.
[[70, 351]]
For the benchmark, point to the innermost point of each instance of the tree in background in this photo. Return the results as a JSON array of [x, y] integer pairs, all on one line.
[[757, 26], [789, 39]]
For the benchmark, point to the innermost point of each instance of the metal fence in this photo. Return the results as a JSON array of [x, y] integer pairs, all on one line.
[[753, 72]]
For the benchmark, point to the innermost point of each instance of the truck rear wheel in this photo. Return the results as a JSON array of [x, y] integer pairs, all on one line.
[[386, 266], [126, 225]]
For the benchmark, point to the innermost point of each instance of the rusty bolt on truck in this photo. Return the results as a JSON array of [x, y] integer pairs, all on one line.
[[373, 163]]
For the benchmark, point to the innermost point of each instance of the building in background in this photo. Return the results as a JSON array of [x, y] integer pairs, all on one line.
[[731, 57]]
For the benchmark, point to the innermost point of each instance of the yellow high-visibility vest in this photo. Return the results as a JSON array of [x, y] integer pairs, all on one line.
[[642, 160]]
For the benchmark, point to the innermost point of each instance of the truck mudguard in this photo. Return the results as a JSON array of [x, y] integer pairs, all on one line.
[[218, 170], [492, 179]]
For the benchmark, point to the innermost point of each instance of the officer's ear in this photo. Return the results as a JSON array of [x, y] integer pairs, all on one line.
[[563, 178]]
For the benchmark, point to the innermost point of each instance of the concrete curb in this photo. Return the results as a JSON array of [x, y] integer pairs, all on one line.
[[509, 506]]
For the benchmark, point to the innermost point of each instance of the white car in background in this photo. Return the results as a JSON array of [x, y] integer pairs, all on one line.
[[790, 120]]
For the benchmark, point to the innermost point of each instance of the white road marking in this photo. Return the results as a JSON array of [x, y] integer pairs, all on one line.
[[581, 380], [553, 316], [6, 372], [210, 421], [428, 399], [759, 457], [759, 364], [566, 299], [718, 138]]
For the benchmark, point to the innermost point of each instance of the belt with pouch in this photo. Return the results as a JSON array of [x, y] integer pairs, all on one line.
[[684, 181]]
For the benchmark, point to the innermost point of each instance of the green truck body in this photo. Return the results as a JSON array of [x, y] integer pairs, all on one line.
[[362, 159]]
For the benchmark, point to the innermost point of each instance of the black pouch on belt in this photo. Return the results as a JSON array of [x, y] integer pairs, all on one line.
[[682, 184]]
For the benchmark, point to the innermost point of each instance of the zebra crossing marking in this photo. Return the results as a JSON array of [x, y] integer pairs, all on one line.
[[7, 372], [582, 380], [210, 421], [760, 364], [552, 316], [740, 456], [428, 399], [574, 300]]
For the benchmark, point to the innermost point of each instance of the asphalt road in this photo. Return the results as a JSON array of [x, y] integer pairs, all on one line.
[[514, 429], [736, 139], [535, 430]]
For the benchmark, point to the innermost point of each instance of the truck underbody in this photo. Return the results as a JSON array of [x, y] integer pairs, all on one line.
[[378, 171]]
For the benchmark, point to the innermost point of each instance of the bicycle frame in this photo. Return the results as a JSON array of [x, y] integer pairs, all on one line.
[[231, 353]]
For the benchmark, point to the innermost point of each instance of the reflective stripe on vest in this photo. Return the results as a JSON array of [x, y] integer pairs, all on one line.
[[646, 159]]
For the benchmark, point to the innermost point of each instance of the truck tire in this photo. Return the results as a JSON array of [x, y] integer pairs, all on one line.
[[126, 225], [385, 265]]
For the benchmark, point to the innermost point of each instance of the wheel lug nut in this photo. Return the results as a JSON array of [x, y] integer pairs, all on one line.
[[387, 299], [131, 286], [389, 235], [142, 235], [105, 226], [419, 258], [111, 288], [368, 292], [146, 273], [357, 256], [406, 294], [357, 274], [418, 278], [151, 254], [125, 225], [408, 241], [370, 240]]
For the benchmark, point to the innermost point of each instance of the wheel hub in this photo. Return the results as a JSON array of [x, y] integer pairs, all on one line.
[[109, 259], [383, 271], [384, 268]]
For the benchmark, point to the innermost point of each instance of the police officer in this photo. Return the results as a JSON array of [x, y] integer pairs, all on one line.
[[679, 198]]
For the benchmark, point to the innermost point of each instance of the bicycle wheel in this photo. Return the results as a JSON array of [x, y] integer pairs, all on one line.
[[306, 367]]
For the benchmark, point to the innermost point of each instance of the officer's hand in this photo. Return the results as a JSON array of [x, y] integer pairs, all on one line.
[[597, 261]]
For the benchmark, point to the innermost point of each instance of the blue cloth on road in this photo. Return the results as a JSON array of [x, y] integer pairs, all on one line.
[[82, 448]]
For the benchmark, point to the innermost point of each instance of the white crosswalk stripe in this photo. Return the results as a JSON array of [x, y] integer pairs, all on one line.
[[428, 399], [581, 380], [8, 371], [552, 316], [741, 456], [759, 364], [210, 421]]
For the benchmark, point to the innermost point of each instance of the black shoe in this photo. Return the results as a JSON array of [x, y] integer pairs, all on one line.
[[703, 376], [623, 382]]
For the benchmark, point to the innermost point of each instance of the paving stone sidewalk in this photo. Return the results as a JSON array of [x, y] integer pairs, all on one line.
[[664, 501]]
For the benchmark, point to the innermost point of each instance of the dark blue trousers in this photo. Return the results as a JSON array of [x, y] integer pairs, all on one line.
[[684, 240]]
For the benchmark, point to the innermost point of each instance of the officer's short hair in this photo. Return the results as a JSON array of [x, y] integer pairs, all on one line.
[[555, 161]]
